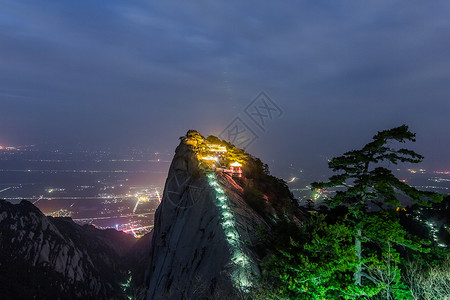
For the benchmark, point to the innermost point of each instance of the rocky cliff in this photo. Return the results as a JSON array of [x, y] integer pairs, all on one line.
[[54, 258], [205, 243]]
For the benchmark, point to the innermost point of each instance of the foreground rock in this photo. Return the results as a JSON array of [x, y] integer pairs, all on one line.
[[54, 258]]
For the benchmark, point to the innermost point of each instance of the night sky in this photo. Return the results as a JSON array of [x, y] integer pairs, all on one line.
[[141, 73]]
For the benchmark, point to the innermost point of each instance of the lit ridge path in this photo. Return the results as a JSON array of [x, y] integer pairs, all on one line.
[[139, 200], [5, 189], [240, 261], [113, 217], [157, 193], [134, 209], [133, 230]]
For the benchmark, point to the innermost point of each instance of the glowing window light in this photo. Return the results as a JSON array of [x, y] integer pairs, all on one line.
[[235, 164], [210, 158], [217, 148]]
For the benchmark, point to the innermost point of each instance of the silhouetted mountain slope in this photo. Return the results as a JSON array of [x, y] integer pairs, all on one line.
[[54, 258]]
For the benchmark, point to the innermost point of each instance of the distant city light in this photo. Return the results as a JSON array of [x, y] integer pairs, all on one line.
[[292, 179], [443, 172], [412, 171]]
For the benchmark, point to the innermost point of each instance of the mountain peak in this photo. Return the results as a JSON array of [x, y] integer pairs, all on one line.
[[215, 199]]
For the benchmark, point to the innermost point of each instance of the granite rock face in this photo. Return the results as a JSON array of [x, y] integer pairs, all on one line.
[[49, 258], [204, 244]]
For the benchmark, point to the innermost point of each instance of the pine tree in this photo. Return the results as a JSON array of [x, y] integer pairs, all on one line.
[[368, 184]]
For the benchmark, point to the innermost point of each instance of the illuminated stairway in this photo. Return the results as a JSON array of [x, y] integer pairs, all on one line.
[[240, 261]]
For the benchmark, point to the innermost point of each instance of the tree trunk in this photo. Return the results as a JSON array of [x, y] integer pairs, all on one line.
[[358, 272]]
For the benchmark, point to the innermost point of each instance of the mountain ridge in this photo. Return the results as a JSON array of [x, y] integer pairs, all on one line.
[[69, 261]]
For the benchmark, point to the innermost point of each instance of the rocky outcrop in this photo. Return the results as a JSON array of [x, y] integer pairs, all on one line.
[[204, 241], [50, 258]]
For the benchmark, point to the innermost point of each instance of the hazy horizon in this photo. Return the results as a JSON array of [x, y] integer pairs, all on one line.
[[140, 74]]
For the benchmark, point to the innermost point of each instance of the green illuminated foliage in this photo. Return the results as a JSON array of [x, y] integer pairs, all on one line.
[[358, 252], [369, 183], [318, 263], [319, 260]]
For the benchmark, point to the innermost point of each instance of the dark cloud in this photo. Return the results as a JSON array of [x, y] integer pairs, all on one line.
[[142, 73]]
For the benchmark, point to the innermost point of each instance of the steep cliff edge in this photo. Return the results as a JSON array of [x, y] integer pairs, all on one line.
[[205, 243]]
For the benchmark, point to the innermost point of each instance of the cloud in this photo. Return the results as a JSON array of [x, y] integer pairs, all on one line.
[[161, 66]]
